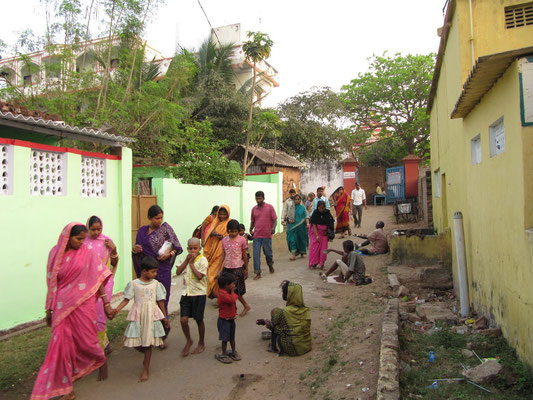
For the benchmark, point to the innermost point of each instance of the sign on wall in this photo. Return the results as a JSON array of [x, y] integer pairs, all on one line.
[[394, 178], [349, 175], [526, 92]]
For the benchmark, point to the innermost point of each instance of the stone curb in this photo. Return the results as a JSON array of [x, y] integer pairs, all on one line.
[[389, 362]]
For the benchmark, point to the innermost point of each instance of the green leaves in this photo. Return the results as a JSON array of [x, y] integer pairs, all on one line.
[[258, 48], [392, 96]]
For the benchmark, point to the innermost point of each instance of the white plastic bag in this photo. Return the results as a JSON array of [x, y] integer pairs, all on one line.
[[167, 246]]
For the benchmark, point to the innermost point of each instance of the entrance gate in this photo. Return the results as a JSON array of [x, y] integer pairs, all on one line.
[[395, 184]]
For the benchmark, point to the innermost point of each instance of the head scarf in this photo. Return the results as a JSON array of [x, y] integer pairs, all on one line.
[[217, 225], [73, 276], [98, 245], [321, 218]]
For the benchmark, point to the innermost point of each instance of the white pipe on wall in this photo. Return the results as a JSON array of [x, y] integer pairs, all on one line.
[[461, 263]]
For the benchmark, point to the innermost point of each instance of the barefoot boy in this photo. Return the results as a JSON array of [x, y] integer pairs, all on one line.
[[192, 302]]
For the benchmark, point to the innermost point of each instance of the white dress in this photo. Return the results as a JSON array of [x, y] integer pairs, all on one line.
[[145, 328]]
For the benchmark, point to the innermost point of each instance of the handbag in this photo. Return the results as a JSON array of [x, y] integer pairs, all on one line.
[[331, 233]]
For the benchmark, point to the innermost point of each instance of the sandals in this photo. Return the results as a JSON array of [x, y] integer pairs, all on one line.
[[224, 359], [234, 356]]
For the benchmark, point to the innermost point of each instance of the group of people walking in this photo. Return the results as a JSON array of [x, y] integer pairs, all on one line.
[[312, 226], [80, 274], [82, 264]]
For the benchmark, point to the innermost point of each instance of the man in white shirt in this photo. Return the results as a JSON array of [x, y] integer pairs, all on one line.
[[358, 200], [287, 214], [319, 197]]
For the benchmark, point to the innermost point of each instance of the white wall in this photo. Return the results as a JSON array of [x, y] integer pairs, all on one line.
[[321, 174]]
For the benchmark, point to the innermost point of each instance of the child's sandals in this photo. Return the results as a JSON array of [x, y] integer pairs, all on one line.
[[223, 358], [234, 356]]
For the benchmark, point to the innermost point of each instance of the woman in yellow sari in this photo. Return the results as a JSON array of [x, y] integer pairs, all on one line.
[[214, 234]]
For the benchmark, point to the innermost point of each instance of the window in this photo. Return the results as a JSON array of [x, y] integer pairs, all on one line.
[[476, 150], [27, 79], [93, 177], [497, 138], [436, 182], [48, 173], [519, 15], [6, 169]]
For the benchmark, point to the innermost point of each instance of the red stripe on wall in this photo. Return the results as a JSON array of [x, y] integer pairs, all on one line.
[[38, 146]]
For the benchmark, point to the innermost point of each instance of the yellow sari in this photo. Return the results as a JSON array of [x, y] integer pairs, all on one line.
[[213, 250]]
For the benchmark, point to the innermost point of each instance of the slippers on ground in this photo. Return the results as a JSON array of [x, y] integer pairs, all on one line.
[[224, 359], [234, 356]]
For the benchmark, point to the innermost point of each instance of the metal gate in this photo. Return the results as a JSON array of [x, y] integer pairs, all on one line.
[[395, 184]]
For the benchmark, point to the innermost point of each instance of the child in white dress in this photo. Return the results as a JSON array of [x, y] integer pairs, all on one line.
[[144, 329]]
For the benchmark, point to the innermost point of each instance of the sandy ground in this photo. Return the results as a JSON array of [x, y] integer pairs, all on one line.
[[261, 374]]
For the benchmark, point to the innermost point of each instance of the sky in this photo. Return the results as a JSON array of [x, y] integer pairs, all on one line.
[[316, 43]]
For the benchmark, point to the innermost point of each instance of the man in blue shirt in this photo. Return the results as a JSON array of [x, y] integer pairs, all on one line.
[[320, 197]]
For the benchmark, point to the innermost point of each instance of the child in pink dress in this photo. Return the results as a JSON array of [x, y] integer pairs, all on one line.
[[234, 260]]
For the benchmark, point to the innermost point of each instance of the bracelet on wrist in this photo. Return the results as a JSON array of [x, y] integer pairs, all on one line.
[[114, 256]]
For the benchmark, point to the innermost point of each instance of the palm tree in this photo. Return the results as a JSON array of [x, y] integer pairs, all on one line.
[[256, 50]]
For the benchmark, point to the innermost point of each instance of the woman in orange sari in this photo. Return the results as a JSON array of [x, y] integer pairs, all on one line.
[[342, 208], [214, 234]]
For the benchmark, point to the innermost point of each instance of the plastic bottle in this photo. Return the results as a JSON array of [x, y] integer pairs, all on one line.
[[431, 356]]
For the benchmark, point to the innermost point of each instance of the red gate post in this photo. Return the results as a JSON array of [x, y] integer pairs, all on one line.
[[349, 166], [411, 163]]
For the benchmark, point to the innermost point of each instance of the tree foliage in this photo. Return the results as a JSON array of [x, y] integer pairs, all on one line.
[[314, 125], [392, 96]]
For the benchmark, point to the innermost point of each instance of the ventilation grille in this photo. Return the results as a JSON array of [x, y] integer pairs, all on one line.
[[517, 16], [92, 177]]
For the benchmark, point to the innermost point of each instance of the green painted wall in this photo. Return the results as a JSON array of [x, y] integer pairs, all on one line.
[[13, 133], [186, 206], [31, 226]]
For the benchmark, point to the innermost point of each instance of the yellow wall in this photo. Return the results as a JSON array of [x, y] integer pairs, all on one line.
[[499, 256]]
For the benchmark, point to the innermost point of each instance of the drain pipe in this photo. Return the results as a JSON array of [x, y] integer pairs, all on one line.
[[461, 262]]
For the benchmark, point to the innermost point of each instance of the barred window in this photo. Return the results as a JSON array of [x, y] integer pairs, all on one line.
[[519, 15]]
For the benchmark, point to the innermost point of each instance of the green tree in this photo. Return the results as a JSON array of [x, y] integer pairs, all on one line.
[[392, 96], [255, 50], [314, 128], [200, 160]]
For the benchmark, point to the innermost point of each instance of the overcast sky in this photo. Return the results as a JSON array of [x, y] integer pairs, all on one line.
[[316, 43]]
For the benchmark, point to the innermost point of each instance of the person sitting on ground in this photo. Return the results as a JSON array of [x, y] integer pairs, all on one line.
[[377, 239], [290, 325], [351, 264], [194, 294]]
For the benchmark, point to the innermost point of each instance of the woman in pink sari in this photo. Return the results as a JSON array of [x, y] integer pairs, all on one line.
[[320, 221], [107, 252], [75, 278]]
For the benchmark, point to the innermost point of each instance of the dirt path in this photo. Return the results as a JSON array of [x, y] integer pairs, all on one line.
[[344, 360]]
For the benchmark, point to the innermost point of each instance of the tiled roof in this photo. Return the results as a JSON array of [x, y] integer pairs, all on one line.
[[282, 158], [59, 128]]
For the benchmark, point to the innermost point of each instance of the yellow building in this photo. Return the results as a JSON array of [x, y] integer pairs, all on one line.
[[481, 107]]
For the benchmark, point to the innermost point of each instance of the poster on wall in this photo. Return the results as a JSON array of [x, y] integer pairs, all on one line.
[[394, 178], [349, 175], [526, 92]]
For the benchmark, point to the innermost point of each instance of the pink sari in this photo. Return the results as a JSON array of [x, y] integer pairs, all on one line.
[[104, 253], [73, 278]]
